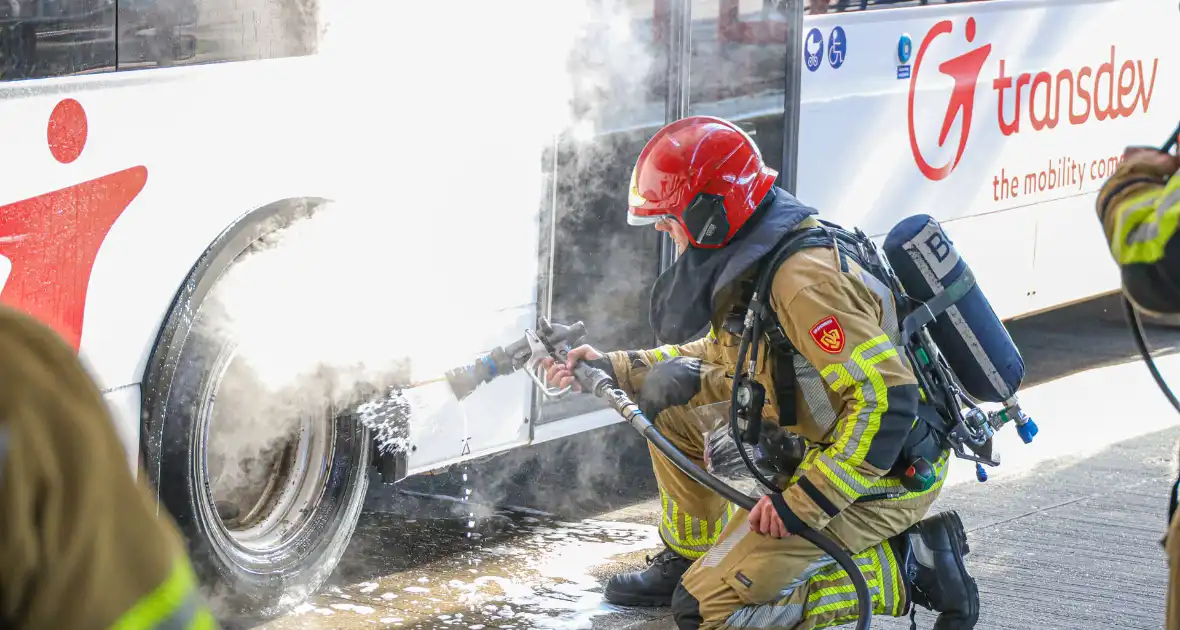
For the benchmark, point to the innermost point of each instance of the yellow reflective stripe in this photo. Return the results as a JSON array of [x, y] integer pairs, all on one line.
[[839, 597], [854, 485], [839, 462], [882, 396], [843, 382], [201, 619], [663, 353], [155, 608], [843, 477], [894, 577], [832, 596], [204, 621], [878, 581], [669, 531], [680, 533], [831, 474], [691, 554], [855, 432], [690, 526], [1144, 224], [807, 464], [839, 621], [843, 596], [940, 469]]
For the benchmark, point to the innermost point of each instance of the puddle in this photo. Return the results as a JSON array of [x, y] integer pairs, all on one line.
[[508, 570]]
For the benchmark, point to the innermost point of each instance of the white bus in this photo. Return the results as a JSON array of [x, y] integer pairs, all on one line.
[[240, 212]]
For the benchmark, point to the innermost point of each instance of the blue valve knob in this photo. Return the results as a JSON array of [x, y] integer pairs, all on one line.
[[980, 473], [1027, 430]]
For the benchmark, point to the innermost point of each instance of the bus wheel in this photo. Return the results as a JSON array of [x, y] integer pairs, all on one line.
[[265, 481]]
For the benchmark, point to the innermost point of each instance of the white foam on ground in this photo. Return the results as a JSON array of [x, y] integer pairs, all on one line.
[[558, 589], [363, 610]]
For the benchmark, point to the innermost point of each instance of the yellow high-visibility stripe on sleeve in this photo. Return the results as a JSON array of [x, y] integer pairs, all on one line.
[[174, 605], [663, 353], [1145, 223], [864, 419]]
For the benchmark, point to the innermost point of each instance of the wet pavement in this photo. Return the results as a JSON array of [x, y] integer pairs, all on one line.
[[511, 570], [1065, 534]]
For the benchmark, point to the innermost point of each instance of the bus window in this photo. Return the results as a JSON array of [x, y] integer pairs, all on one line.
[[155, 33], [603, 268], [52, 38], [738, 68]]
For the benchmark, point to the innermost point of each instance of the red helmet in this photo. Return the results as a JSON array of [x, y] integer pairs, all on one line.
[[704, 172]]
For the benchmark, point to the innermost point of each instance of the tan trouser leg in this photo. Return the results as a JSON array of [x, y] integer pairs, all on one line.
[[1172, 545], [692, 517], [749, 580]]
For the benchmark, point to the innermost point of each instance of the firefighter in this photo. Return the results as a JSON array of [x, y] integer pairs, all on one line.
[[81, 544], [1139, 207], [702, 180]]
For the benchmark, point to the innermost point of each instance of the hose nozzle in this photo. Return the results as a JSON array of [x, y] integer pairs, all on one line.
[[465, 379], [529, 350]]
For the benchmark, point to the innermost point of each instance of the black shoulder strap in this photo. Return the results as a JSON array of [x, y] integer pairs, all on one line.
[[782, 352], [926, 312], [827, 235]]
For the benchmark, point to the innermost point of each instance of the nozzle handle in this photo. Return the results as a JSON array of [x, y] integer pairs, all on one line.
[[558, 334], [592, 379], [560, 338]]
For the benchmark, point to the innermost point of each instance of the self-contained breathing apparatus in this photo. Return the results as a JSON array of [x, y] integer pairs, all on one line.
[[948, 418]]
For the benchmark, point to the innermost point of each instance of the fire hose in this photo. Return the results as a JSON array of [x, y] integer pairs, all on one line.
[[1137, 323], [554, 341]]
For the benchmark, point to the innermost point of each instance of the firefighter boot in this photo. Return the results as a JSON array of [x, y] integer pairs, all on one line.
[[931, 554], [651, 587]]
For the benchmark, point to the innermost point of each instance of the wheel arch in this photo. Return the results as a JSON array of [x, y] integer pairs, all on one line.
[[218, 257]]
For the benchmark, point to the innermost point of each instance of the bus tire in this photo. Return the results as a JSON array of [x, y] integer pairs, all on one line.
[[269, 538]]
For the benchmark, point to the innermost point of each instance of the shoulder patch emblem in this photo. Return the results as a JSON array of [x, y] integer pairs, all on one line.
[[828, 335]]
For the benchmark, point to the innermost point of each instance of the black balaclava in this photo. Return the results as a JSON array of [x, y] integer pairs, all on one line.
[[683, 299]]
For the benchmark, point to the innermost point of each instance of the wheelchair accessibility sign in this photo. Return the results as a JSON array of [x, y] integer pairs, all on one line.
[[837, 47]]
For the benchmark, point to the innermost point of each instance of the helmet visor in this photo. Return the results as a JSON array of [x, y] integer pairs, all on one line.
[[641, 219]]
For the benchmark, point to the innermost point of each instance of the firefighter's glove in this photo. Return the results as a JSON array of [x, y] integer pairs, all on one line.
[[670, 383]]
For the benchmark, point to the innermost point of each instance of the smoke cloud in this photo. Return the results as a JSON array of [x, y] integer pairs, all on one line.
[[463, 130]]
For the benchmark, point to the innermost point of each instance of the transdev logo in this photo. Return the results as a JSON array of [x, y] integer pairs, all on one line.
[[964, 69], [48, 243], [1043, 99]]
